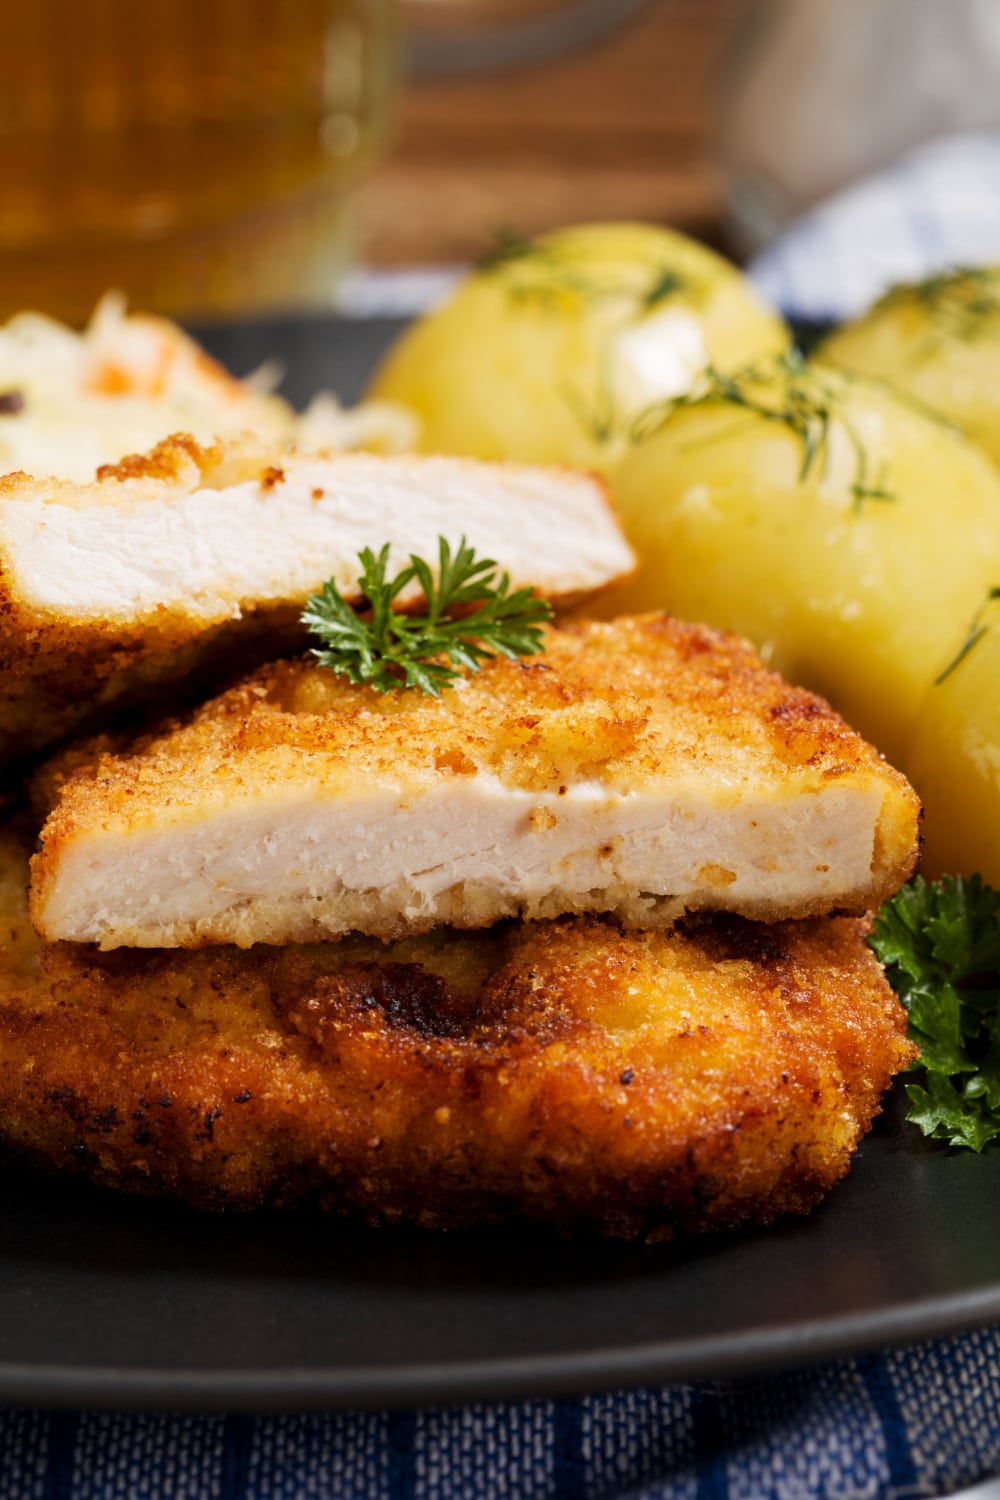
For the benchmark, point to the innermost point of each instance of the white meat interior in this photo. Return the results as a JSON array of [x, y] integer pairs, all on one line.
[[209, 551], [303, 863]]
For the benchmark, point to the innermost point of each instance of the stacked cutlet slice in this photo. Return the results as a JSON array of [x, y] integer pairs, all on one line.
[[642, 768], [580, 942], [173, 568]]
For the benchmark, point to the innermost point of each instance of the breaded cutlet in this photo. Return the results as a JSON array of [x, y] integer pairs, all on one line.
[[173, 563], [641, 767], [564, 1073]]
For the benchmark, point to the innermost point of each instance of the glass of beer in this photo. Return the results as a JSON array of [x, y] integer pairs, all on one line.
[[197, 154]]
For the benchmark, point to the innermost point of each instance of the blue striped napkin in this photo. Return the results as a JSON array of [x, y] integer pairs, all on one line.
[[922, 1421]]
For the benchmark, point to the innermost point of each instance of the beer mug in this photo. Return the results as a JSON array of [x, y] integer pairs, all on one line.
[[819, 95], [197, 154]]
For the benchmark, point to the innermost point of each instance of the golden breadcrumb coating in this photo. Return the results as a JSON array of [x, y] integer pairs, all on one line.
[[58, 673], [188, 561], [287, 809], [564, 1072]]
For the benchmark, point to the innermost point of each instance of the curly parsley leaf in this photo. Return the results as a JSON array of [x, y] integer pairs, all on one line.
[[940, 944], [470, 616]]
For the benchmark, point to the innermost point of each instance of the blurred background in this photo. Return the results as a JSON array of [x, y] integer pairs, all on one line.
[[615, 123], [223, 157]]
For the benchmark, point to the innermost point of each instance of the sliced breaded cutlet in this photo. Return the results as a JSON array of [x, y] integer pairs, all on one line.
[[174, 563], [563, 1072], [642, 767]]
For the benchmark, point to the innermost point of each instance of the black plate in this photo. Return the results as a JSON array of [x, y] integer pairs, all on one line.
[[104, 1301], [107, 1301]]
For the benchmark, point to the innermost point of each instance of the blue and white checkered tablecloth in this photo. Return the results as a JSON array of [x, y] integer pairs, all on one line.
[[919, 1421]]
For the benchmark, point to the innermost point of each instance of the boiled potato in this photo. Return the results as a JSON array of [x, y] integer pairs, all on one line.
[[836, 525], [955, 764], [939, 341], [546, 352]]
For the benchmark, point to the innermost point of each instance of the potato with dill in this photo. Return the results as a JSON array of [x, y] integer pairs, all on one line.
[[956, 751], [939, 341], [549, 347], [840, 528]]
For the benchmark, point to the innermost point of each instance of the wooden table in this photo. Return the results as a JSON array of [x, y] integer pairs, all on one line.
[[620, 129]]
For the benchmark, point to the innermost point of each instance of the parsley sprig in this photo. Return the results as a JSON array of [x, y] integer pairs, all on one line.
[[470, 616], [940, 943]]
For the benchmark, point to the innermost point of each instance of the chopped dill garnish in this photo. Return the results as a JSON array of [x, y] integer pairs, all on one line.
[[545, 274], [962, 303], [804, 403], [974, 635], [469, 617], [666, 283], [510, 246]]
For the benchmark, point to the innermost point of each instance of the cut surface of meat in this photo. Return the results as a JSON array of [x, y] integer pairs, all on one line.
[[641, 767]]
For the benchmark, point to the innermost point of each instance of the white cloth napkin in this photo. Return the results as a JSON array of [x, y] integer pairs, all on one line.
[[937, 207]]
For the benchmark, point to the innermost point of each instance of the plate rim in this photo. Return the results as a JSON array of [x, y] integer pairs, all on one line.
[[511, 1378]]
